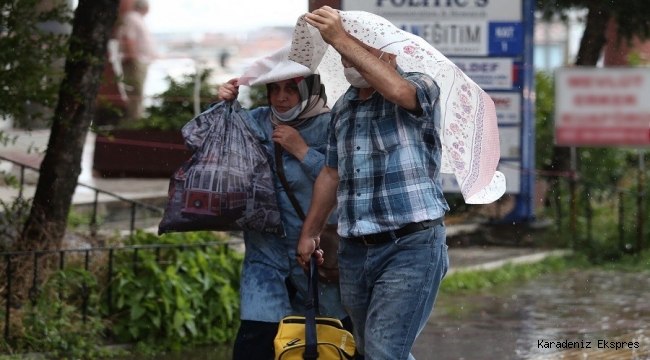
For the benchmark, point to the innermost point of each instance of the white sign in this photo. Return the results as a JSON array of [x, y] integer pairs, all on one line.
[[510, 141], [602, 106], [488, 73], [432, 10], [508, 107], [451, 37]]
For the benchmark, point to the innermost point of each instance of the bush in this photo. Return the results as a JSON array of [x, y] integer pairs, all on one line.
[[161, 298], [178, 298], [53, 322]]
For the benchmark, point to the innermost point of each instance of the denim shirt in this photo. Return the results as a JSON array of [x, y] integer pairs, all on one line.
[[270, 259], [300, 175]]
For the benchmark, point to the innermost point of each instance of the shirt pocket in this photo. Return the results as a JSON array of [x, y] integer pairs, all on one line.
[[385, 134]]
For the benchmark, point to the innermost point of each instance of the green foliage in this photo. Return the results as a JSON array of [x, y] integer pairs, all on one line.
[[631, 15], [544, 120], [482, 279], [13, 214], [76, 220], [177, 298], [603, 167], [28, 74], [54, 322], [636, 58], [168, 299], [174, 107]]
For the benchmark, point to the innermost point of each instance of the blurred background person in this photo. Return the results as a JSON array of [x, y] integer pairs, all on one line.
[[138, 50]]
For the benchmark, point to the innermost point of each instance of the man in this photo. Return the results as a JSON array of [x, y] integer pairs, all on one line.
[[137, 47], [384, 157]]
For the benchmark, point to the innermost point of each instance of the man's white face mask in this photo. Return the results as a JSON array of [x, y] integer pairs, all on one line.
[[355, 79]]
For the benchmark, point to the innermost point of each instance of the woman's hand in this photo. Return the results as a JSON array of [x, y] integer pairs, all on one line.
[[228, 91], [290, 139]]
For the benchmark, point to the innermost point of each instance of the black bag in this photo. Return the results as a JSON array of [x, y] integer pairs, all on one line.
[[227, 184], [328, 271]]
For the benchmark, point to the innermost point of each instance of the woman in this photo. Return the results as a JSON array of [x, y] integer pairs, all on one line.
[[273, 284]]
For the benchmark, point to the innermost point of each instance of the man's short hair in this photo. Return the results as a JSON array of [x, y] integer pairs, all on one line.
[[141, 4]]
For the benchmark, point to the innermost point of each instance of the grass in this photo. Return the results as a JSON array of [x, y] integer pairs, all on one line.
[[478, 280]]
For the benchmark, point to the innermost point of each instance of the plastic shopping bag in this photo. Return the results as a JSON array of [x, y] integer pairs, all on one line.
[[227, 184]]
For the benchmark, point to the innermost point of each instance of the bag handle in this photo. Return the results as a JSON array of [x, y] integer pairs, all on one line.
[[285, 183], [311, 303]]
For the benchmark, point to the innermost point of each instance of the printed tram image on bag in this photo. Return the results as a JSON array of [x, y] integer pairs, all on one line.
[[227, 184]]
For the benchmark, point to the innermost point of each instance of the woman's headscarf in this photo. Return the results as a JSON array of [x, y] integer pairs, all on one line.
[[313, 100], [277, 67], [469, 134]]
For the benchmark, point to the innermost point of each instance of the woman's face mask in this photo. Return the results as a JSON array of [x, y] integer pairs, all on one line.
[[288, 115]]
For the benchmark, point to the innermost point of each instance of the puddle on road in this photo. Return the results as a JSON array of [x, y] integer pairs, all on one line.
[[508, 322]]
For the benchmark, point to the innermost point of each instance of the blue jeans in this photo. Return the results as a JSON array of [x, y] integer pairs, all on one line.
[[389, 290]]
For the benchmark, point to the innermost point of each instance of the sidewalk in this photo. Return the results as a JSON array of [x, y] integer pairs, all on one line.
[[29, 149]]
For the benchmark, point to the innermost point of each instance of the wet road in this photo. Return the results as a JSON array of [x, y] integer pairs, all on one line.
[[518, 321]]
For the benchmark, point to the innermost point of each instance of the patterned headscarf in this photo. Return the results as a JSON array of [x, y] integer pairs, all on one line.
[[277, 67], [313, 100], [470, 135]]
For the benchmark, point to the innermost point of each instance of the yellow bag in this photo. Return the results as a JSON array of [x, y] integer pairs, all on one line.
[[311, 336], [334, 342]]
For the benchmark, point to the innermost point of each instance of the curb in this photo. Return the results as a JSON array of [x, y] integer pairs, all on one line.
[[524, 259]]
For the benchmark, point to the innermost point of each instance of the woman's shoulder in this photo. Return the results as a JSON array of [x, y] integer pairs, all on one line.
[[316, 122], [320, 119], [260, 111], [315, 129]]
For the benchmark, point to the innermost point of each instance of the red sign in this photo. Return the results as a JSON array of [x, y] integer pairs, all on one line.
[[602, 107]]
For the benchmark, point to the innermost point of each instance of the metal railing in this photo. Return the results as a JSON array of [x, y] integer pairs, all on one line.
[[93, 223], [584, 208], [88, 256]]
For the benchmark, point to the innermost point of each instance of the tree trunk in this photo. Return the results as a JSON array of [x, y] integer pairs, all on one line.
[[92, 25], [594, 37], [45, 227], [591, 45]]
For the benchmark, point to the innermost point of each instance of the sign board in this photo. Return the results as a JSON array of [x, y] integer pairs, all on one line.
[[455, 27], [488, 73], [510, 142], [439, 9], [505, 38], [508, 107], [602, 107]]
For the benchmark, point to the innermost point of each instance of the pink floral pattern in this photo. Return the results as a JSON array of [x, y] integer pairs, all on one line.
[[470, 134]]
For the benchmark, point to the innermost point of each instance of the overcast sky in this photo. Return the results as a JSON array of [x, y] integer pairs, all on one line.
[[222, 15]]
